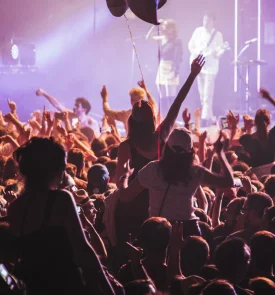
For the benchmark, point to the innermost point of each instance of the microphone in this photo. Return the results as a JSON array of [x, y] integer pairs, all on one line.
[[251, 41]]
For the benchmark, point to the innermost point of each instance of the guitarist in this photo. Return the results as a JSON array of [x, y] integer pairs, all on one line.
[[208, 41]]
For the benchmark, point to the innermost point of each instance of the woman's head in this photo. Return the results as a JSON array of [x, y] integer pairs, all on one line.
[[141, 125], [42, 162], [262, 118], [178, 156], [169, 28]]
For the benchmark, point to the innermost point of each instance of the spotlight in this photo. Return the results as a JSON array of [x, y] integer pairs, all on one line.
[[10, 54]]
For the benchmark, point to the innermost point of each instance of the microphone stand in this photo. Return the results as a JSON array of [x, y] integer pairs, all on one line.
[[247, 78]]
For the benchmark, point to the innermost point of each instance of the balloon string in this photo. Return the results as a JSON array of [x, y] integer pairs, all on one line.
[[134, 46]]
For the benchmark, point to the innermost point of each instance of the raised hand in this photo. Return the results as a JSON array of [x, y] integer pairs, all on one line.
[[40, 92], [12, 106], [142, 85], [197, 113], [61, 129], [218, 145], [34, 124], [104, 94], [197, 65], [248, 122], [9, 118], [233, 120], [203, 136], [127, 171], [6, 138], [134, 253], [265, 94], [186, 116], [246, 184]]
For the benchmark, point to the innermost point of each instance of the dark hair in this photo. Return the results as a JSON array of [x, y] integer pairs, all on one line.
[[99, 146], [262, 250], [262, 118], [141, 125], [206, 232], [110, 140], [270, 214], [231, 255], [219, 287], [209, 272], [111, 166], [240, 166], [269, 185], [155, 234], [71, 170], [10, 169], [262, 285], [113, 152], [76, 157], [40, 159], [259, 202], [85, 104], [175, 167], [194, 255], [88, 132]]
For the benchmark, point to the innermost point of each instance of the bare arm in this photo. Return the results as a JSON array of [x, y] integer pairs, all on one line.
[[201, 198], [53, 101], [217, 209], [84, 253], [96, 241], [220, 181], [168, 123], [124, 155], [265, 94]]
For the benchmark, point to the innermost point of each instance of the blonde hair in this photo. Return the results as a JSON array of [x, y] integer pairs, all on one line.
[[138, 91]]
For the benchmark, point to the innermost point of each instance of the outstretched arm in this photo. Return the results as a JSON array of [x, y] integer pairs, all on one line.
[[53, 101], [265, 94], [168, 123], [150, 98]]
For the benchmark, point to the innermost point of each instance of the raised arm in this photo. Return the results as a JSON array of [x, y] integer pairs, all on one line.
[[150, 98], [112, 114], [226, 178], [53, 101], [265, 94], [84, 253], [168, 123]]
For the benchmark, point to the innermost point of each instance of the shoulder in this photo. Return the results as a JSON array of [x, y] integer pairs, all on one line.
[[92, 121], [148, 174], [151, 167]]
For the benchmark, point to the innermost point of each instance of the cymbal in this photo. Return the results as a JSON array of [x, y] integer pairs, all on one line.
[[255, 62]]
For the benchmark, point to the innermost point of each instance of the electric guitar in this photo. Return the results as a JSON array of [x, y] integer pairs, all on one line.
[[207, 51]]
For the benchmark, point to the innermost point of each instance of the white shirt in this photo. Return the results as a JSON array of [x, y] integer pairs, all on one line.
[[88, 122], [178, 205], [198, 44]]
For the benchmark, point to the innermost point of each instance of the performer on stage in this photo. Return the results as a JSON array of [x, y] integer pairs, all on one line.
[[208, 41], [167, 79]]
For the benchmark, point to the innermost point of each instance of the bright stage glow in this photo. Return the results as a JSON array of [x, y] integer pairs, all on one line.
[[14, 51]]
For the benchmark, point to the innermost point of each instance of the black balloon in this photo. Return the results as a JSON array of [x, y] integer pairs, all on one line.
[[117, 7], [146, 10]]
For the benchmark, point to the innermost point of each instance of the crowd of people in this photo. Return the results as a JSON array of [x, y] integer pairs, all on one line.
[[163, 210]]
